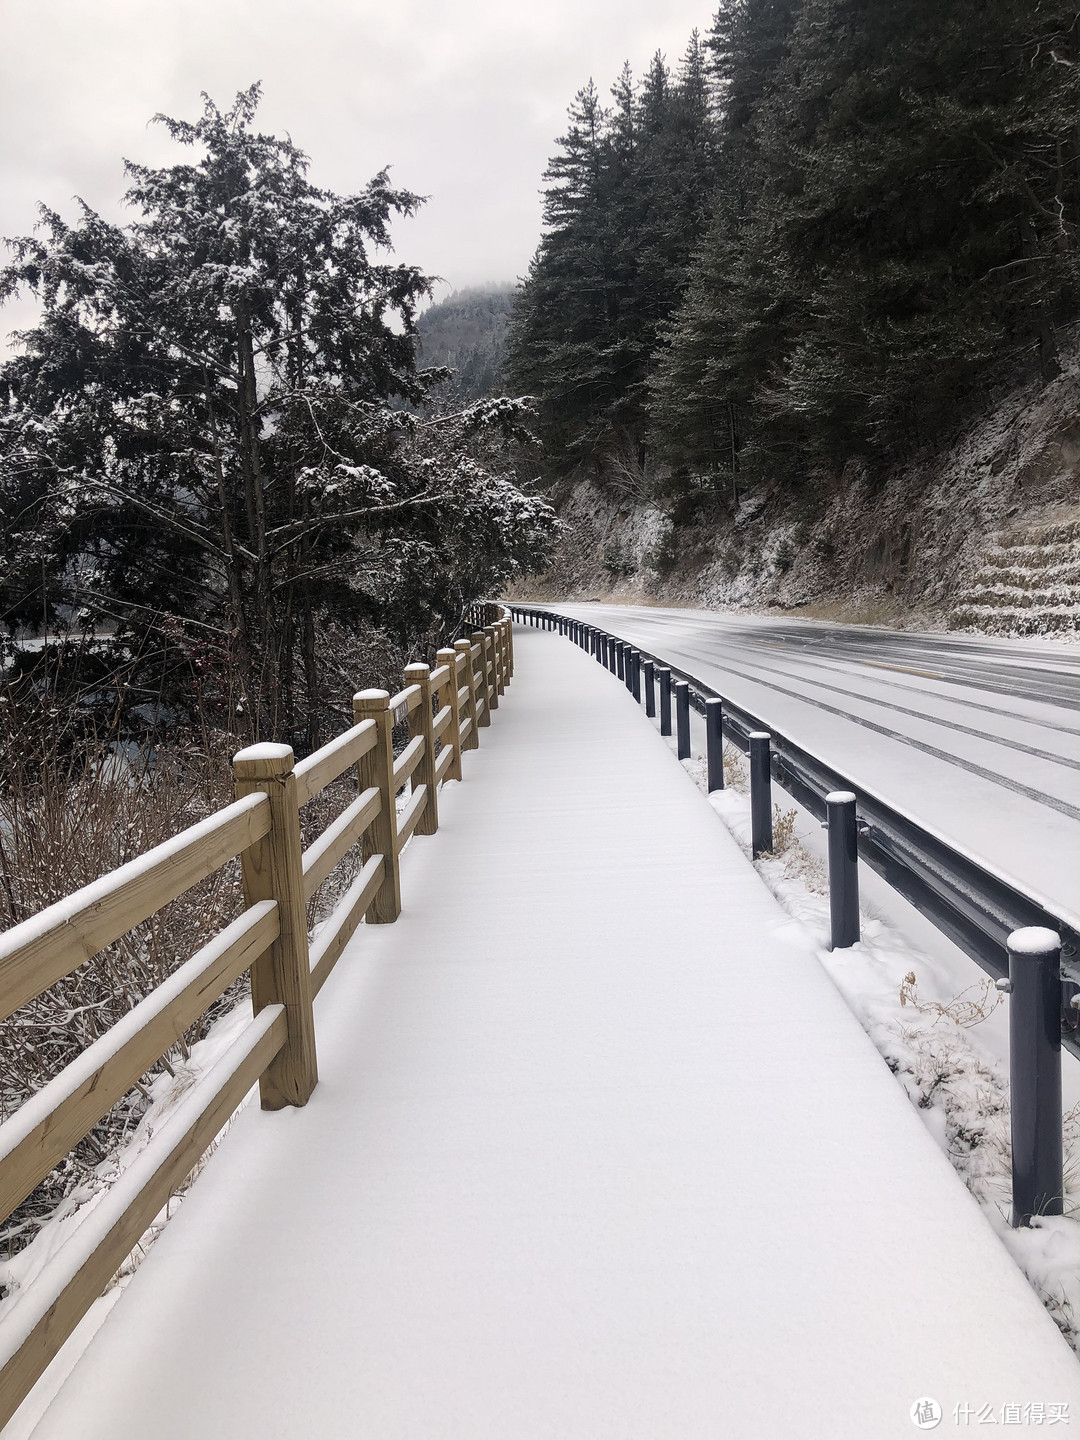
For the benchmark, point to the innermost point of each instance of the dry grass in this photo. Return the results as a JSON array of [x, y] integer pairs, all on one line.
[[783, 830], [62, 826], [970, 1007]]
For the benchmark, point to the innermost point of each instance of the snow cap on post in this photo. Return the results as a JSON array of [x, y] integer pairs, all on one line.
[[1034, 940], [261, 761]]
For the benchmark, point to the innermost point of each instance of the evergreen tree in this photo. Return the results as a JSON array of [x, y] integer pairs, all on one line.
[[625, 206], [206, 412], [739, 305], [896, 221]]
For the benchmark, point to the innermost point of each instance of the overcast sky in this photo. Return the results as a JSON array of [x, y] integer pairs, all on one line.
[[463, 100]]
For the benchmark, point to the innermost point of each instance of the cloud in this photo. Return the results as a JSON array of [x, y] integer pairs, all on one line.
[[463, 100]]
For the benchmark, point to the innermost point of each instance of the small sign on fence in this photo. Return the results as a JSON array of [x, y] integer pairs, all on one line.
[[401, 712]]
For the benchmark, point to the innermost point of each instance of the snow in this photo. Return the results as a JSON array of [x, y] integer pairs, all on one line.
[[970, 765], [22, 1271], [598, 1150], [31, 1303], [932, 1014], [264, 750], [40, 1105], [1034, 940]]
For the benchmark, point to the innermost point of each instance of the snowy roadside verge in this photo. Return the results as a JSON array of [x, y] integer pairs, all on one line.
[[927, 1029]]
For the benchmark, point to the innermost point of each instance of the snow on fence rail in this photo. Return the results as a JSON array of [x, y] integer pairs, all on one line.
[[445, 708], [1026, 943]]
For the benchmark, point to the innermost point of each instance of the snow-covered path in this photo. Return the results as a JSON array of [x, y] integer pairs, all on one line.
[[978, 738], [597, 1151]]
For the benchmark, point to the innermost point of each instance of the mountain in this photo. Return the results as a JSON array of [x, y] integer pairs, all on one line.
[[467, 332]]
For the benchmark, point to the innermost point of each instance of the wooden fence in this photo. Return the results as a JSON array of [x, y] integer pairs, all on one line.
[[446, 708]]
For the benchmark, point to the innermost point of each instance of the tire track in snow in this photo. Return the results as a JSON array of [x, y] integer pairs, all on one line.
[[1018, 745], [1050, 801]]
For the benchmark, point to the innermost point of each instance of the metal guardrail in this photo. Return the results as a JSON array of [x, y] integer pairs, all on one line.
[[976, 908]]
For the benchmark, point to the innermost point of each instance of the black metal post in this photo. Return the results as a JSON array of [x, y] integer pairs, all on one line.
[[665, 699], [760, 793], [843, 869], [635, 675], [1035, 1072], [682, 718], [650, 690], [620, 659], [714, 742]]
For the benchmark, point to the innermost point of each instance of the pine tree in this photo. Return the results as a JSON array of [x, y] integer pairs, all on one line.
[[738, 307], [896, 221], [625, 207]]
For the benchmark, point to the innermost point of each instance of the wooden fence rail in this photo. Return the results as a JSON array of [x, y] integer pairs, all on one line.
[[445, 708]]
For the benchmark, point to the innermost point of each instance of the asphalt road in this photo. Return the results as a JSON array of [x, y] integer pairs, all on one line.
[[978, 738]]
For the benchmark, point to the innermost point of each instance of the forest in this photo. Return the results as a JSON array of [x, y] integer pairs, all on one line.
[[830, 233]]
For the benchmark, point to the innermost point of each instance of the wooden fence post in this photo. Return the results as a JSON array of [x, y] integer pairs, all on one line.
[[421, 722], [478, 638], [498, 638], [491, 651], [510, 648], [273, 870], [464, 649], [377, 768], [452, 734]]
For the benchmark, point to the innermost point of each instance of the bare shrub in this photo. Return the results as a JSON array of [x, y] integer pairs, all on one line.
[[783, 829], [970, 1007], [64, 823]]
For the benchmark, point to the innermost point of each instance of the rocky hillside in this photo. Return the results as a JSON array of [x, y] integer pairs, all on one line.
[[985, 535]]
